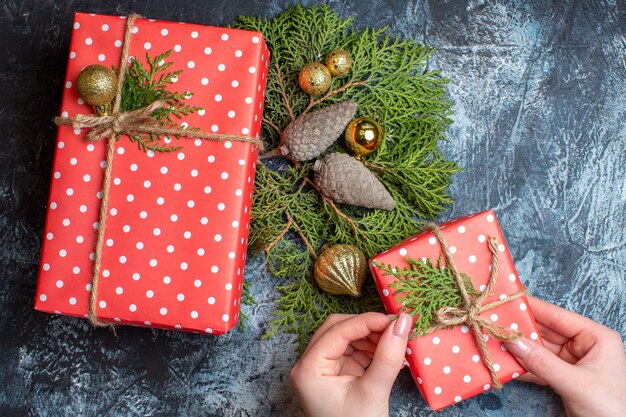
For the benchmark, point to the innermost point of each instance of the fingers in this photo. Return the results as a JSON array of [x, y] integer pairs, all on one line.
[[330, 320], [362, 358], [389, 355], [350, 370], [552, 347], [549, 335], [364, 345], [544, 364], [561, 321], [333, 342], [530, 377], [562, 351], [375, 337]]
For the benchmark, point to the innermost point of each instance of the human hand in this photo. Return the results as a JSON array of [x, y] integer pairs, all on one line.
[[350, 365], [583, 361]]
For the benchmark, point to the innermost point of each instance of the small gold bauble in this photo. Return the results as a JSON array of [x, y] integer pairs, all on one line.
[[97, 85], [340, 270], [314, 79], [363, 136], [338, 62]]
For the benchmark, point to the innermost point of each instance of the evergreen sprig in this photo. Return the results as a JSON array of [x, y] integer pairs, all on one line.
[[423, 288], [390, 82], [143, 85], [246, 299]]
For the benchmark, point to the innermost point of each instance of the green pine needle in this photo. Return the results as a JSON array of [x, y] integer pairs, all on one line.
[[246, 299], [145, 85], [423, 288], [390, 81]]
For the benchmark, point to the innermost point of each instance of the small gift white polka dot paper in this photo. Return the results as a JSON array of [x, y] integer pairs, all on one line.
[[177, 224], [447, 364]]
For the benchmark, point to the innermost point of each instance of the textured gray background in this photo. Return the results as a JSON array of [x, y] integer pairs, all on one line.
[[540, 129]]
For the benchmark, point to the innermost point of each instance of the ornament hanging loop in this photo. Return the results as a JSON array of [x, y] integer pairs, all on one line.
[[104, 109]]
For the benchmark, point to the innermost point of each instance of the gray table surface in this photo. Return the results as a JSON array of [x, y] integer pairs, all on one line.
[[540, 128]]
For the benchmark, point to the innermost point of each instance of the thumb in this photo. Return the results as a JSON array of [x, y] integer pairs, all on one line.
[[542, 363], [389, 356]]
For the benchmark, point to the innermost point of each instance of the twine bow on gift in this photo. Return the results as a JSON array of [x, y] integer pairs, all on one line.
[[140, 120], [103, 127], [111, 127], [470, 313]]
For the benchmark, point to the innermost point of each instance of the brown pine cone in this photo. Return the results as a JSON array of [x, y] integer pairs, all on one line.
[[344, 179], [310, 134]]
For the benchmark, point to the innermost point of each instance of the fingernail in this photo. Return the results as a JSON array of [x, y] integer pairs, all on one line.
[[518, 348], [405, 363], [402, 326]]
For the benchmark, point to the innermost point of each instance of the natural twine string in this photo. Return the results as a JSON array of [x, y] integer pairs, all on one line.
[[140, 120], [121, 123], [469, 314]]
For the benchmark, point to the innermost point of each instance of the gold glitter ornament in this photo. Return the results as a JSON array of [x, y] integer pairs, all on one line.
[[340, 270], [338, 62], [363, 136], [97, 85], [314, 79]]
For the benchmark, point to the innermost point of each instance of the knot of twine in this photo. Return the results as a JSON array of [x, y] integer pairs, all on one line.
[[140, 120], [122, 123], [110, 128], [470, 313]]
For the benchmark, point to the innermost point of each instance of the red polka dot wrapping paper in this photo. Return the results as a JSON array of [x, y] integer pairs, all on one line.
[[177, 225], [446, 364]]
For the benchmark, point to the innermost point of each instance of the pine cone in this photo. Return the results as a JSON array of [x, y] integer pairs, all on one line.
[[310, 134], [344, 179]]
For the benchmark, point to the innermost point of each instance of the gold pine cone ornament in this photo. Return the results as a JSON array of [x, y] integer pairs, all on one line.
[[314, 79], [340, 270], [97, 85]]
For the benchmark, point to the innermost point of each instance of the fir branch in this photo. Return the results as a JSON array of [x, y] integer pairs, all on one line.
[[303, 307], [248, 300], [283, 92], [423, 288], [143, 85], [391, 82], [146, 143], [304, 239], [280, 236], [313, 102], [330, 202], [273, 126]]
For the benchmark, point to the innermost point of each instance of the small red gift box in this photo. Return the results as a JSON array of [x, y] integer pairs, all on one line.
[[177, 224], [447, 364]]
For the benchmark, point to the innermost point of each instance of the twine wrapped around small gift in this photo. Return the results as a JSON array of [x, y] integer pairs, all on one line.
[[470, 301], [469, 312], [110, 128]]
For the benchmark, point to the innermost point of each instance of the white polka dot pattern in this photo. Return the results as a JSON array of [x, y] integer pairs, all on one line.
[[156, 234], [447, 364]]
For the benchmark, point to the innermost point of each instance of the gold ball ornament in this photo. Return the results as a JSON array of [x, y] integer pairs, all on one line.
[[97, 85], [363, 136], [338, 62], [314, 79], [340, 270]]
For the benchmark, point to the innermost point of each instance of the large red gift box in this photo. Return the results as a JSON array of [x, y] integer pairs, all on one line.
[[177, 225], [447, 364]]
